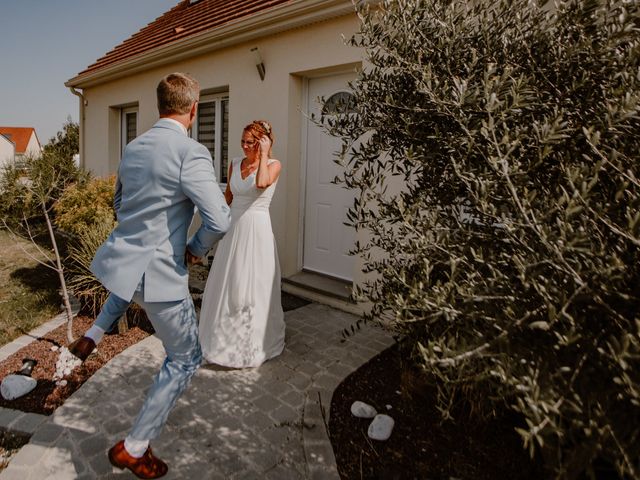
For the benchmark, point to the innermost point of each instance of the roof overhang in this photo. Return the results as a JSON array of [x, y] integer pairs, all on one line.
[[2, 135], [291, 15]]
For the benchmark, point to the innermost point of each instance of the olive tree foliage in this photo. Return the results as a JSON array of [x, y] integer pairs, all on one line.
[[510, 254], [65, 144]]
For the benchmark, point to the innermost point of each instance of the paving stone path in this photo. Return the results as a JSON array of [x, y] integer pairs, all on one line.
[[263, 423]]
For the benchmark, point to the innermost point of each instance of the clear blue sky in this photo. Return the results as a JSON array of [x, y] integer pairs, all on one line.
[[47, 42]]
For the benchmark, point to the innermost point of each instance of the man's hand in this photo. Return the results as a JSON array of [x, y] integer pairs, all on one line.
[[192, 259]]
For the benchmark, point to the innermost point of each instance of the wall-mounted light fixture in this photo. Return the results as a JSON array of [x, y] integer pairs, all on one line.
[[259, 62]]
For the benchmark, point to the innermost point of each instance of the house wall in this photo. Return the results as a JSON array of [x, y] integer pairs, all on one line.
[[289, 58], [33, 147], [7, 151]]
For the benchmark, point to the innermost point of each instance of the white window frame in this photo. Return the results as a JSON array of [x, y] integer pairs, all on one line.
[[123, 125], [216, 98]]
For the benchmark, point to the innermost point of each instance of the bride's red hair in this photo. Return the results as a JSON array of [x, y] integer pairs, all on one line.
[[258, 128]]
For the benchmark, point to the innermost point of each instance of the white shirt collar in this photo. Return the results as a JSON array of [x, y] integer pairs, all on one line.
[[182, 127]]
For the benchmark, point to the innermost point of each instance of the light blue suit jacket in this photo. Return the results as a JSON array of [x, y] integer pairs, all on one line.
[[163, 174]]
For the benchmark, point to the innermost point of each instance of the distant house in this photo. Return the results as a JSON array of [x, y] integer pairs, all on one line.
[[7, 151], [25, 141], [254, 59]]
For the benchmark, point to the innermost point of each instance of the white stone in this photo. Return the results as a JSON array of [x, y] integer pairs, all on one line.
[[54, 348], [362, 410], [388, 407], [67, 361], [14, 386], [61, 383], [381, 427]]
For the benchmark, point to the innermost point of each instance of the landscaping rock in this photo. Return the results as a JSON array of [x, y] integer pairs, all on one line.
[[363, 410], [14, 386], [381, 427]]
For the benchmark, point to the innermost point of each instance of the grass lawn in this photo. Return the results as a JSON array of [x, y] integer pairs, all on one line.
[[29, 294]]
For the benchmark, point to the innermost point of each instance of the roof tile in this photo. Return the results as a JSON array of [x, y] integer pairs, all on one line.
[[182, 21], [18, 135]]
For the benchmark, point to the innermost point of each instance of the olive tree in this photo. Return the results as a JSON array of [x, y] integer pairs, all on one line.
[[509, 256], [28, 192]]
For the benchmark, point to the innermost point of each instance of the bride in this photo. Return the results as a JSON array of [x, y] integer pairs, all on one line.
[[241, 320]]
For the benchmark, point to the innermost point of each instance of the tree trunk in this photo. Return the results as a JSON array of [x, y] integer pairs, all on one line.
[[63, 283]]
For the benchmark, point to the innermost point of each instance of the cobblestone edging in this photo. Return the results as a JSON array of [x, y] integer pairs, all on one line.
[[12, 347]]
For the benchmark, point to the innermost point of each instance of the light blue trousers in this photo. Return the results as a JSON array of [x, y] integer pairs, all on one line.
[[176, 326], [114, 308]]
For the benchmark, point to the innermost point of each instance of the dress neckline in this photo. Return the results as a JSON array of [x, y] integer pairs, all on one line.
[[240, 170]]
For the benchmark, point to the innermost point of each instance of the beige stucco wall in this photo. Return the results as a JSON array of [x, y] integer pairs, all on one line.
[[289, 58]]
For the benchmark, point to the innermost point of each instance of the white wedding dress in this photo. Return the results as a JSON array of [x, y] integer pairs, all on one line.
[[241, 320]]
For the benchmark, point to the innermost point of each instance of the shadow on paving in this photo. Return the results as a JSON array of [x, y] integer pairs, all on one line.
[[246, 423]]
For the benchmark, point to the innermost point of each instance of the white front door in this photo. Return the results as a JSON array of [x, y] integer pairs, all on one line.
[[327, 240]]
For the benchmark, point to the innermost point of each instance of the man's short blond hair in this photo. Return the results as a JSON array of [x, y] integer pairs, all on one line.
[[177, 92]]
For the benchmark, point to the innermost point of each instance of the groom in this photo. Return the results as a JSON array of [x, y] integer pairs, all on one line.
[[163, 174]]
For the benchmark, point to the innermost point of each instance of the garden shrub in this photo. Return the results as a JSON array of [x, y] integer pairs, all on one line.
[[65, 144], [13, 193], [86, 211], [85, 286], [510, 255], [23, 184], [84, 204]]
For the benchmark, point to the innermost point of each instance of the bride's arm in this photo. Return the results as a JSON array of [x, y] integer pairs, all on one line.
[[228, 196], [267, 172]]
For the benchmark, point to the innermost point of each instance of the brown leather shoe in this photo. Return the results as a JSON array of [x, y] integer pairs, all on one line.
[[82, 347], [147, 466]]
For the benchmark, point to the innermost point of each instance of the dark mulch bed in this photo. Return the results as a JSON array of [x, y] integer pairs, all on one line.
[[420, 447], [46, 397]]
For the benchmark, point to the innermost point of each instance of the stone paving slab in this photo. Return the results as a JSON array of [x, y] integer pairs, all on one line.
[[267, 422]]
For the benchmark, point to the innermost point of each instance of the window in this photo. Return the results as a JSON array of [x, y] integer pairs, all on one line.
[[129, 126], [211, 129], [339, 103]]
